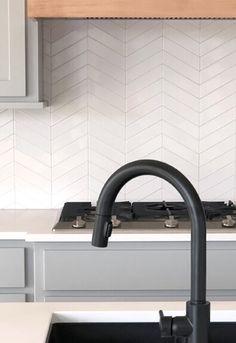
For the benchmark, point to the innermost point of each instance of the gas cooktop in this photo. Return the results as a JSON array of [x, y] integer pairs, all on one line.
[[147, 215]]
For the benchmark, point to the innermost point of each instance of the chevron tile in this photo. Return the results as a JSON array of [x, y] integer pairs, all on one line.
[[181, 89], [217, 111], [7, 196], [118, 91], [106, 102], [69, 128], [32, 159], [144, 103]]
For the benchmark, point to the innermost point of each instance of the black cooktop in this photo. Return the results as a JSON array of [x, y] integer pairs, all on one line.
[[141, 211]]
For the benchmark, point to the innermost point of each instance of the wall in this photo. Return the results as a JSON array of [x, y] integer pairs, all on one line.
[[120, 91]]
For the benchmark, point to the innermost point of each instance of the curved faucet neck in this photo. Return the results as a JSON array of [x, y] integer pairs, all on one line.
[[193, 203]]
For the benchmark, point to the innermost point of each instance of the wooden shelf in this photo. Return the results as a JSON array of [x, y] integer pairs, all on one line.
[[132, 8]]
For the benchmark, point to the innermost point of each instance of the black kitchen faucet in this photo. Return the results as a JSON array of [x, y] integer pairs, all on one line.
[[194, 326]]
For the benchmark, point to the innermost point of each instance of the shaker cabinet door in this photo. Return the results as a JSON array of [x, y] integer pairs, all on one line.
[[12, 48]]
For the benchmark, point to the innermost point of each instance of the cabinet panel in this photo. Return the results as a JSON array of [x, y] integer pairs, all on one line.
[[12, 48], [116, 270], [221, 269], [12, 267]]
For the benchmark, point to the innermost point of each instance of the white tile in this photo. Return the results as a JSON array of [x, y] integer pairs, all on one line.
[[144, 80], [107, 38], [183, 40], [107, 81], [216, 150], [143, 123], [146, 66], [119, 91], [144, 38], [151, 105], [186, 56], [174, 75], [69, 53], [69, 81], [181, 95], [69, 67], [143, 95], [106, 67], [183, 151], [178, 122], [105, 53], [153, 48]]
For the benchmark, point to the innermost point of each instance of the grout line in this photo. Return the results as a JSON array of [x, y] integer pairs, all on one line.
[[125, 105], [162, 104], [88, 117], [234, 155], [14, 158], [199, 111], [50, 119]]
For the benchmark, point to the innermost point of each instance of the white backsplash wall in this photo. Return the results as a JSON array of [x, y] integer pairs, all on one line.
[[120, 91]]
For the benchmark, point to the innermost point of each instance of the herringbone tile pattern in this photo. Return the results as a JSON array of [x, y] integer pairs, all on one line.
[[69, 113], [106, 101], [181, 99], [7, 195], [144, 60], [119, 91], [217, 111]]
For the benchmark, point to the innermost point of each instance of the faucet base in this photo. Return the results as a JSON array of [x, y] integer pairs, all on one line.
[[199, 315]]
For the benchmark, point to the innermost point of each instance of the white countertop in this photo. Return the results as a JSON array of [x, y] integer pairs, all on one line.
[[29, 322], [36, 226]]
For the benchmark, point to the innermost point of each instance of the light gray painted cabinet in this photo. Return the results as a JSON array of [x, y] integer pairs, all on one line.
[[119, 269], [129, 271], [20, 57], [16, 271], [12, 267], [12, 48], [123, 271]]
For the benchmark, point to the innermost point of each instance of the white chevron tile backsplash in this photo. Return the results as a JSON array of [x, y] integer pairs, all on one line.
[[121, 90]]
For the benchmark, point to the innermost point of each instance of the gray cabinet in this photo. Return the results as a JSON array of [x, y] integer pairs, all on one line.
[[20, 61], [12, 48], [129, 271], [16, 271], [12, 267], [115, 270], [124, 271]]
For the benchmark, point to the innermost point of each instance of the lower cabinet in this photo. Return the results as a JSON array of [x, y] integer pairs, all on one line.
[[129, 271], [12, 267], [132, 271], [16, 270]]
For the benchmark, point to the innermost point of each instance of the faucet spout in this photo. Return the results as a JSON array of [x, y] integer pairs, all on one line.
[[198, 310]]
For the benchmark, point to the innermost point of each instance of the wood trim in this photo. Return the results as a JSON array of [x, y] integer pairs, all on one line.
[[132, 8]]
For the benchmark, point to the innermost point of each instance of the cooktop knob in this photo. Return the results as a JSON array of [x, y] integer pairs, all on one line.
[[228, 222], [79, 223], [115, 222], [171, 223]]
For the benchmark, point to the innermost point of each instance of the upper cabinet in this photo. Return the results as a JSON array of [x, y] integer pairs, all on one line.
[[12, 48], [133, 8], [20, 57]]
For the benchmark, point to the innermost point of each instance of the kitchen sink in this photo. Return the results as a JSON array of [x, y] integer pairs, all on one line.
[[220, 332]]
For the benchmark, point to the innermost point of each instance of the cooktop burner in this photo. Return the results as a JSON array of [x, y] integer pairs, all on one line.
[[168, 214]]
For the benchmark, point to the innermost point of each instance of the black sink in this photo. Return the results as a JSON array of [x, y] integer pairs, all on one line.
[[224, 332]]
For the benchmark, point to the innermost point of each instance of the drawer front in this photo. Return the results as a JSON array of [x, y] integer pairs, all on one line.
[[116, 270], [12, 267], [221, 268]]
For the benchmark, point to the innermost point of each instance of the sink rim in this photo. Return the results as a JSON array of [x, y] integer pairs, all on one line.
[[129, 316]]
